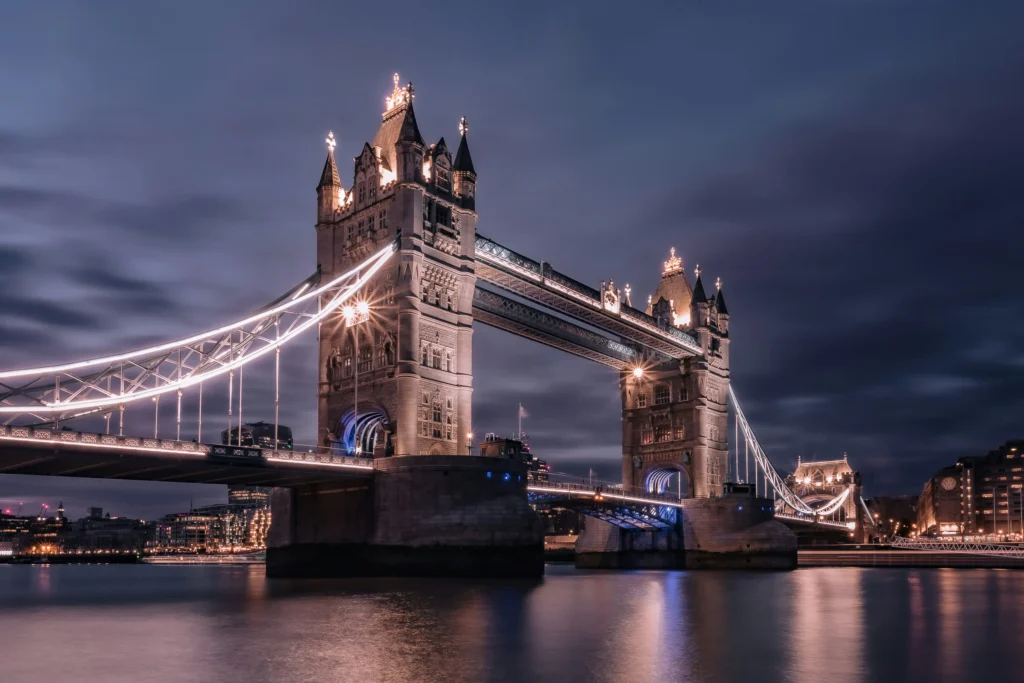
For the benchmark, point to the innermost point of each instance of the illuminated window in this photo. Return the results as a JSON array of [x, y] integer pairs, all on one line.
[[646, 436], [662, 434], [680, 433], [662, 394], [444, 177]]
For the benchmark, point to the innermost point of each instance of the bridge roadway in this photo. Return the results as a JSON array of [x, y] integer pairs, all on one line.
[[46, 451], [63, 453]]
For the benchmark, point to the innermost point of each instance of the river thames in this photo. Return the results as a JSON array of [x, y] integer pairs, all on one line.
[[205, 623]]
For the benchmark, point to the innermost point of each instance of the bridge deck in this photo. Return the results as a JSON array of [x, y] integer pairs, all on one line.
[[48, 452]]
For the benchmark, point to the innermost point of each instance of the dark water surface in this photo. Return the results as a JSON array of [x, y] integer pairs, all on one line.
[[201, 623]]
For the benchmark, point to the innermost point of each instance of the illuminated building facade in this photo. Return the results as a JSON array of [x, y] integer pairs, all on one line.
[[979, 496], [819, 481], [674, 413], [249, 496], [413, 354]]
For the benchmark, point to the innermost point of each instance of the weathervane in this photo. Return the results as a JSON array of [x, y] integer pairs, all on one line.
[[674, 264], [463, 126], [331, 142], [718, 284], [398, 94], [696, 271]]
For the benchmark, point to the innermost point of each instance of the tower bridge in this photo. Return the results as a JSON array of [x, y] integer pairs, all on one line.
[[390, 487]]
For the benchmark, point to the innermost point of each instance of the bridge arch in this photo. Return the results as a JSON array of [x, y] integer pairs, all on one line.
[[668, 478], [367, 433]]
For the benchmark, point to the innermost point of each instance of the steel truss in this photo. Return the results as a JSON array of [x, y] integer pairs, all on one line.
[[70, 390], [538, 282], [532, 323], [958, 546]]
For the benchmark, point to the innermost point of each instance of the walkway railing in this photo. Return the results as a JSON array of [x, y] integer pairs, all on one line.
[[602, 493], [957, 545], [805, 519], [173, 447]]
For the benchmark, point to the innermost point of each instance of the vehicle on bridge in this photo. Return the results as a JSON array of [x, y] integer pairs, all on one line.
[[259, 435]]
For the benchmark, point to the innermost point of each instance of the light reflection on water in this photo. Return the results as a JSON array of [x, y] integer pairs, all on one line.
[[203, 623]]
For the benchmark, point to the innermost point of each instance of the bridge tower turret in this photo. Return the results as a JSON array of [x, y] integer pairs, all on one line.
[[414, 359], [675, 412]]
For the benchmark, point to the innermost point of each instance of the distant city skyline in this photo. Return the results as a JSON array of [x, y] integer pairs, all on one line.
[[828, 165]]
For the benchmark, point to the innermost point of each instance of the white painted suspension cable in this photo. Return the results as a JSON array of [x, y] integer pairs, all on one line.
[[871, 519], [762, 461], [834, 504], [376, 260], [367, 269]]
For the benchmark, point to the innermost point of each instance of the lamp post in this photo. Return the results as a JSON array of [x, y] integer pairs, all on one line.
[[354, 316], [469, 439]]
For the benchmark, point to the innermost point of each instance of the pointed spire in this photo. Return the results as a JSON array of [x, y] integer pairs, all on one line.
[[720, 301], [463, 161], [699, 297], [329, 177], [410, 132]]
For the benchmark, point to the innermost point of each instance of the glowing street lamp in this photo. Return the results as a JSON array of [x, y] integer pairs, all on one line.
[[469, 437], [638, 372], [354, 315]]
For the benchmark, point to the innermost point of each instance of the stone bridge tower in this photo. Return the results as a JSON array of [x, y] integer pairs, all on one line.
[[413, 359], [674, 413]]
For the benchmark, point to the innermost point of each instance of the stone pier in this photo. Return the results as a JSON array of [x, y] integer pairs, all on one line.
[[712, 533], [415, 516]]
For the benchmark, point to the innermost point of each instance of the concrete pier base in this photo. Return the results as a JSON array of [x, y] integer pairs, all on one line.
[[713, 533], [415, 516]]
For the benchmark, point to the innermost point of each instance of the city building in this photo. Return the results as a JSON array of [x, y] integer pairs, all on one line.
[[494, 446], [222, 528], [260, 435], [978, 496], [97, 532], [894, 515], [249, 496]]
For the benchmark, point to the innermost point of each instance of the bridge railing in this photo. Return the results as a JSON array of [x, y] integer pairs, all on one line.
[[173, 447], [811, 519], [604, 492], [958, 545]]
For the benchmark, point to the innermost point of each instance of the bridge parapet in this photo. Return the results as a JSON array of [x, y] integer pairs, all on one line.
[[110, 442]]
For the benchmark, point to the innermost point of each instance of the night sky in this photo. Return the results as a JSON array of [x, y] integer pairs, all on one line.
[[853, 171]]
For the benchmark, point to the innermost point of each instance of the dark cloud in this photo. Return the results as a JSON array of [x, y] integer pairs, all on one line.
[[890, 238], [852, 178]]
